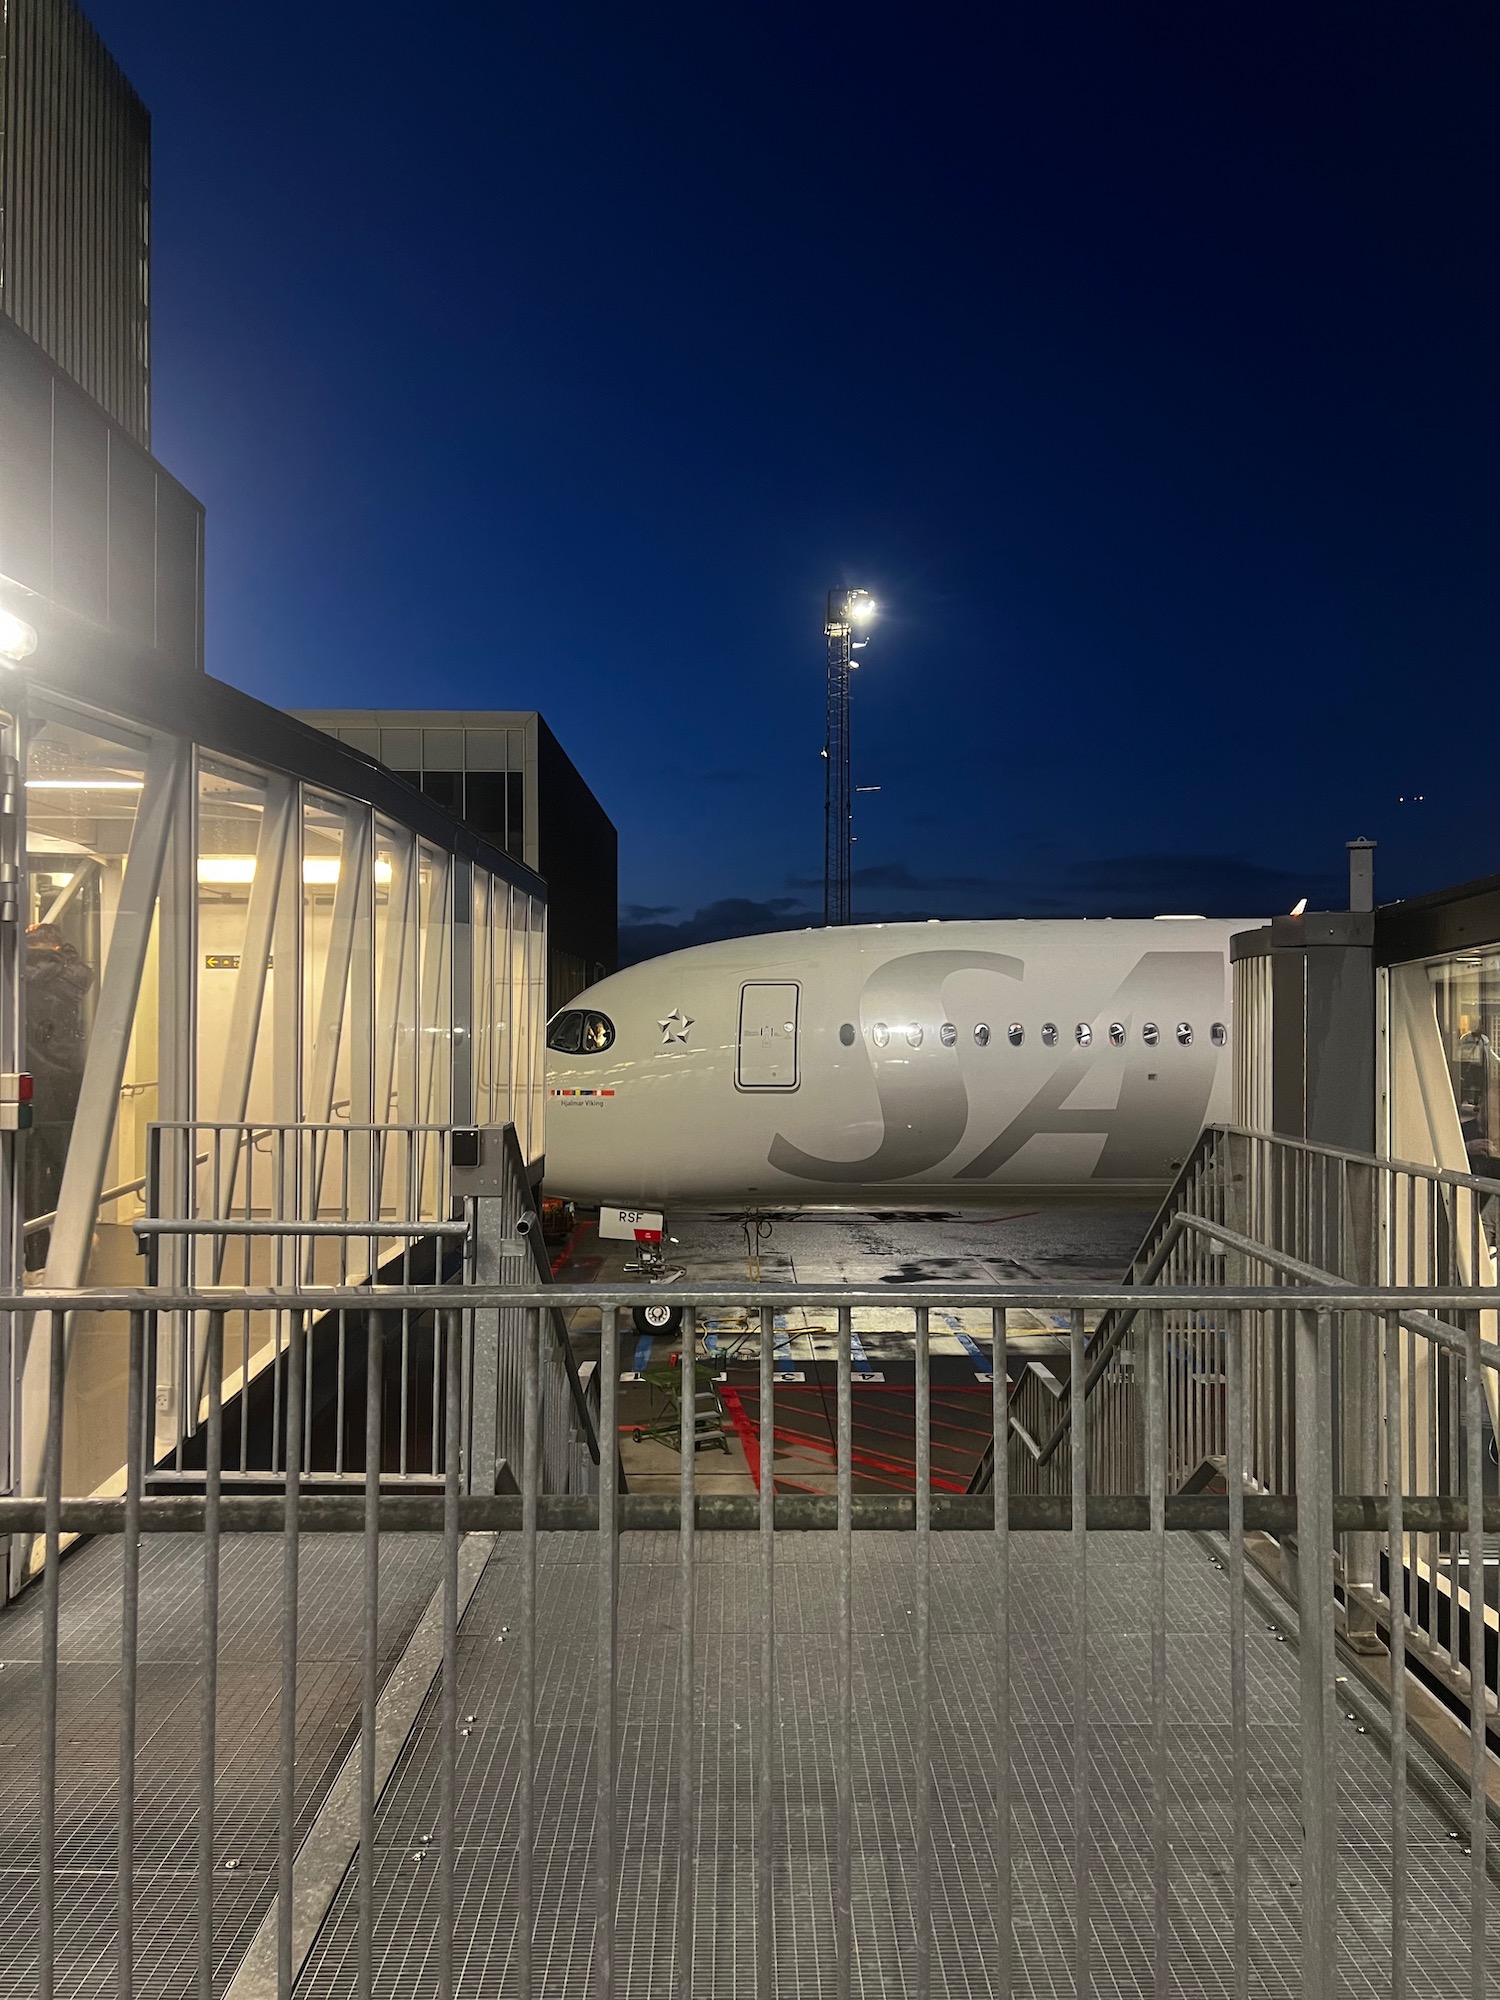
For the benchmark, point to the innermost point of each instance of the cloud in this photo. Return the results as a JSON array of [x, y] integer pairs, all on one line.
[[1131, 885], [733, 916]]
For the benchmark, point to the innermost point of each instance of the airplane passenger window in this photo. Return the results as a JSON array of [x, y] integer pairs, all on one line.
[[880, 1034], [1185, 1032], [1218, 1034], [982, 1034], [846, 1034], [1151, 1034], [1016, 1034], [1049, 1034], [914, 1036], [598, 1033], [566, 1034], [1117, 1034], [947, 1034], [1085, 1034]]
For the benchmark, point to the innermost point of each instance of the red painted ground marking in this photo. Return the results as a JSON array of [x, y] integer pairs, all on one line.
[[868, 1462], [566, 1251]]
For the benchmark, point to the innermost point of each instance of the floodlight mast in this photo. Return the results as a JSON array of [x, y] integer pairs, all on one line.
[[848, 610]]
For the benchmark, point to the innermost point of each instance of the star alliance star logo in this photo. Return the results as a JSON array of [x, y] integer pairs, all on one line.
[[675, 1027]]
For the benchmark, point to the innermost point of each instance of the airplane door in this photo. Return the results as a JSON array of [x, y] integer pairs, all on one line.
[[768, 1036]]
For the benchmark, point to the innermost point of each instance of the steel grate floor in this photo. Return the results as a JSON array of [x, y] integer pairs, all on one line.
[[883, 1778], [246, 1793]]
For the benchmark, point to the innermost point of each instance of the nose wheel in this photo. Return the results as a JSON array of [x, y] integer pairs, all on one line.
[[651, 1266], [657, 1319]]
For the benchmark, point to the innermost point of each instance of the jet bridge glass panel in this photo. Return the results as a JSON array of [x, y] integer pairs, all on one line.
[[768, 1036]]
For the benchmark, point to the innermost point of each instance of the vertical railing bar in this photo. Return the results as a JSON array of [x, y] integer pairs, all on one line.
[[1234, 1465], [287, 1830], [130, 1626], [923, 1554], [338, 1443], [1478, 1752], [604, 1662], [1156, 1487], [1396, 1565], [370, 1663], [531, 1459], [843, 1887], [765, 1937], [401, 1460], [686, 1668], [1082, 1976], [213, 1480], [447, 1336], [1000, 1489], [51, 1610]]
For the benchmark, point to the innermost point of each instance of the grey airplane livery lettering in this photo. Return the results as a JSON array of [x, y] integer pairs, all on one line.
[[937, 1064]]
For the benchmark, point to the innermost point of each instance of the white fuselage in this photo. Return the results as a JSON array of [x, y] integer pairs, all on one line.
[[896, 1063]]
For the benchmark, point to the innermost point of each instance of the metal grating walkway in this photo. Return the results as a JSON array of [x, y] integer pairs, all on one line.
[[884, 1776], [167, 1761]]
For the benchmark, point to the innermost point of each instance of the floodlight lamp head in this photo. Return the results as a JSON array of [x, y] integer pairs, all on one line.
[[848, 608], [17, 638]]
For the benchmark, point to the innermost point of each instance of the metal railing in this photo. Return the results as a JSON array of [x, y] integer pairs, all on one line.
[[1369, 1898], [1255, 1209]]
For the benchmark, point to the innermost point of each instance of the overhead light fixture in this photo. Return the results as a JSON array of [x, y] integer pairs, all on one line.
[[17, 638], [862, 606], [84, 784], [318, 871]]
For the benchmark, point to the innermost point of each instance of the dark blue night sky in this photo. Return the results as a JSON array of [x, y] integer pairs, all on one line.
[[1142, 359]]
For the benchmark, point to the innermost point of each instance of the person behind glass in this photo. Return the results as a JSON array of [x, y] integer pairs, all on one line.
[[57, 982]]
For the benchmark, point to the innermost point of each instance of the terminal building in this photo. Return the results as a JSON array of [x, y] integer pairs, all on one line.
[[209, 910]]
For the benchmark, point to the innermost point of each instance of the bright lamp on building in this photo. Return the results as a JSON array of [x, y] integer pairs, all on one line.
[[17, 638]]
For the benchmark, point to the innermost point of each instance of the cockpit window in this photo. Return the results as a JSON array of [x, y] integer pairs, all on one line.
[[566, 1033], [598, 1033]]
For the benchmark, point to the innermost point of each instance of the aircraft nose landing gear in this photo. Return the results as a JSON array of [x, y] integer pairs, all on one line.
[[646, 1228]]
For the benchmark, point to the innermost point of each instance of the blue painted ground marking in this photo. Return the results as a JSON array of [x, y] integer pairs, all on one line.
[[967, 1342]]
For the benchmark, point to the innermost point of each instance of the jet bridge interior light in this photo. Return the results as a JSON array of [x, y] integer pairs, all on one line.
[[17, 638]]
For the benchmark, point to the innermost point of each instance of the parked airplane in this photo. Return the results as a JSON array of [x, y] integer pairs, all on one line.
[[895, 1065]]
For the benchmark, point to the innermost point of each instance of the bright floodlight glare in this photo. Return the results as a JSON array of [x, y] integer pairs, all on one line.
[[1299, 907], [862, 607], [17, 638]]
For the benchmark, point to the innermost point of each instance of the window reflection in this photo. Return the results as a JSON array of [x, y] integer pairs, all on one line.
[[1049, 1034], [1185, 1033], [1085, 1035], [1466, 994], [1015, 1034], [1218, 1034], [1151, 1034], [982, 1034], [947, 1034], [914, 1036], [1117, 1034], [880, 1034]]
